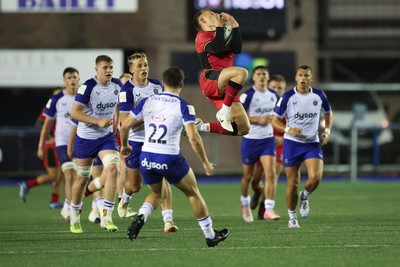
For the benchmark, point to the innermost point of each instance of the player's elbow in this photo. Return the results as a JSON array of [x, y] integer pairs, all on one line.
[[74, 114]]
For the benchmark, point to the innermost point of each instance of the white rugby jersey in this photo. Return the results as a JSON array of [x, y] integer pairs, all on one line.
[[303, 111], [59, 108], [164, 116], [130, 95], [257, 104], [99, 101]]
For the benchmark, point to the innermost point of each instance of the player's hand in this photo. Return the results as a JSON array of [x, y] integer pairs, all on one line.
[[209, 168], [116, 130], [126, 150], [325, 138], [295, 131], [264, 120], [104, 122], [230, 19], [220, 21], [70, 152], [40, 153]]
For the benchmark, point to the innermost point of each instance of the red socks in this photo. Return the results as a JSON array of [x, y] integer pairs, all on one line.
[[32, 183], [232, 90], [55, 197], [215, 127]]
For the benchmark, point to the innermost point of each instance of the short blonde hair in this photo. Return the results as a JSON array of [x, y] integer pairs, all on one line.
[[134, 56]]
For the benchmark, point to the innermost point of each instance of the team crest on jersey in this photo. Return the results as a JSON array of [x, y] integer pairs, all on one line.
[[155, 91], [116, 92], [315, 102]]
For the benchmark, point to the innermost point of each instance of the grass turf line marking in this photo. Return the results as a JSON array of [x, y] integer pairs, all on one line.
[[186, 249]]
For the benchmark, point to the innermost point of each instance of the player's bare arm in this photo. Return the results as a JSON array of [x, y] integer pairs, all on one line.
[[262, 120], [280, 126], [328, 126], [71, 141], [44, 134], [198, 147], [78, 114], [128, 122]]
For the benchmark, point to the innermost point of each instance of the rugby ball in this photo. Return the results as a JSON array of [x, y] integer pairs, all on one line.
[[227, 33]]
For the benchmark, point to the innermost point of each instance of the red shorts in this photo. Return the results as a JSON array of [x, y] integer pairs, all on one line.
[[209, 86], [279, 154], [50, 159]]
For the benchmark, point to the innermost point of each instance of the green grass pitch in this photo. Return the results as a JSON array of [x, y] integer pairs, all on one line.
[[350, 224]]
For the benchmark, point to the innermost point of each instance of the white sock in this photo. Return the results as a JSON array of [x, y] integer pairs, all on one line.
[[108, 205], [245, 200], [127, 198], [269, 204], [305, 194], [66, 205], [76, 207], [166, 214], [206, 225], [225, 109], [99, 203], [292, 214], [146, 209], [94, 204], [205, 127]]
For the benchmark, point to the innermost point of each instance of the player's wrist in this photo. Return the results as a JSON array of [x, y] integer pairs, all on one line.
[[327, 131], [287, 129]]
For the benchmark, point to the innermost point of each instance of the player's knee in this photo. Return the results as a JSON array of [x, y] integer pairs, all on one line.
[[110, 159], [136, 187], [242, 129], [70, 165], [242, 74], [83, 171], [247, 176]]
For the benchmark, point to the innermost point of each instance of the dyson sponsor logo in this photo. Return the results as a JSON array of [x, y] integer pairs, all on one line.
[[102, 106], [153, 165], [302, 116], [264, 110]]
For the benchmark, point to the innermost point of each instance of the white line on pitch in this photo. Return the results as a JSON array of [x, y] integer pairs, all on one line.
[[185, 249]]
